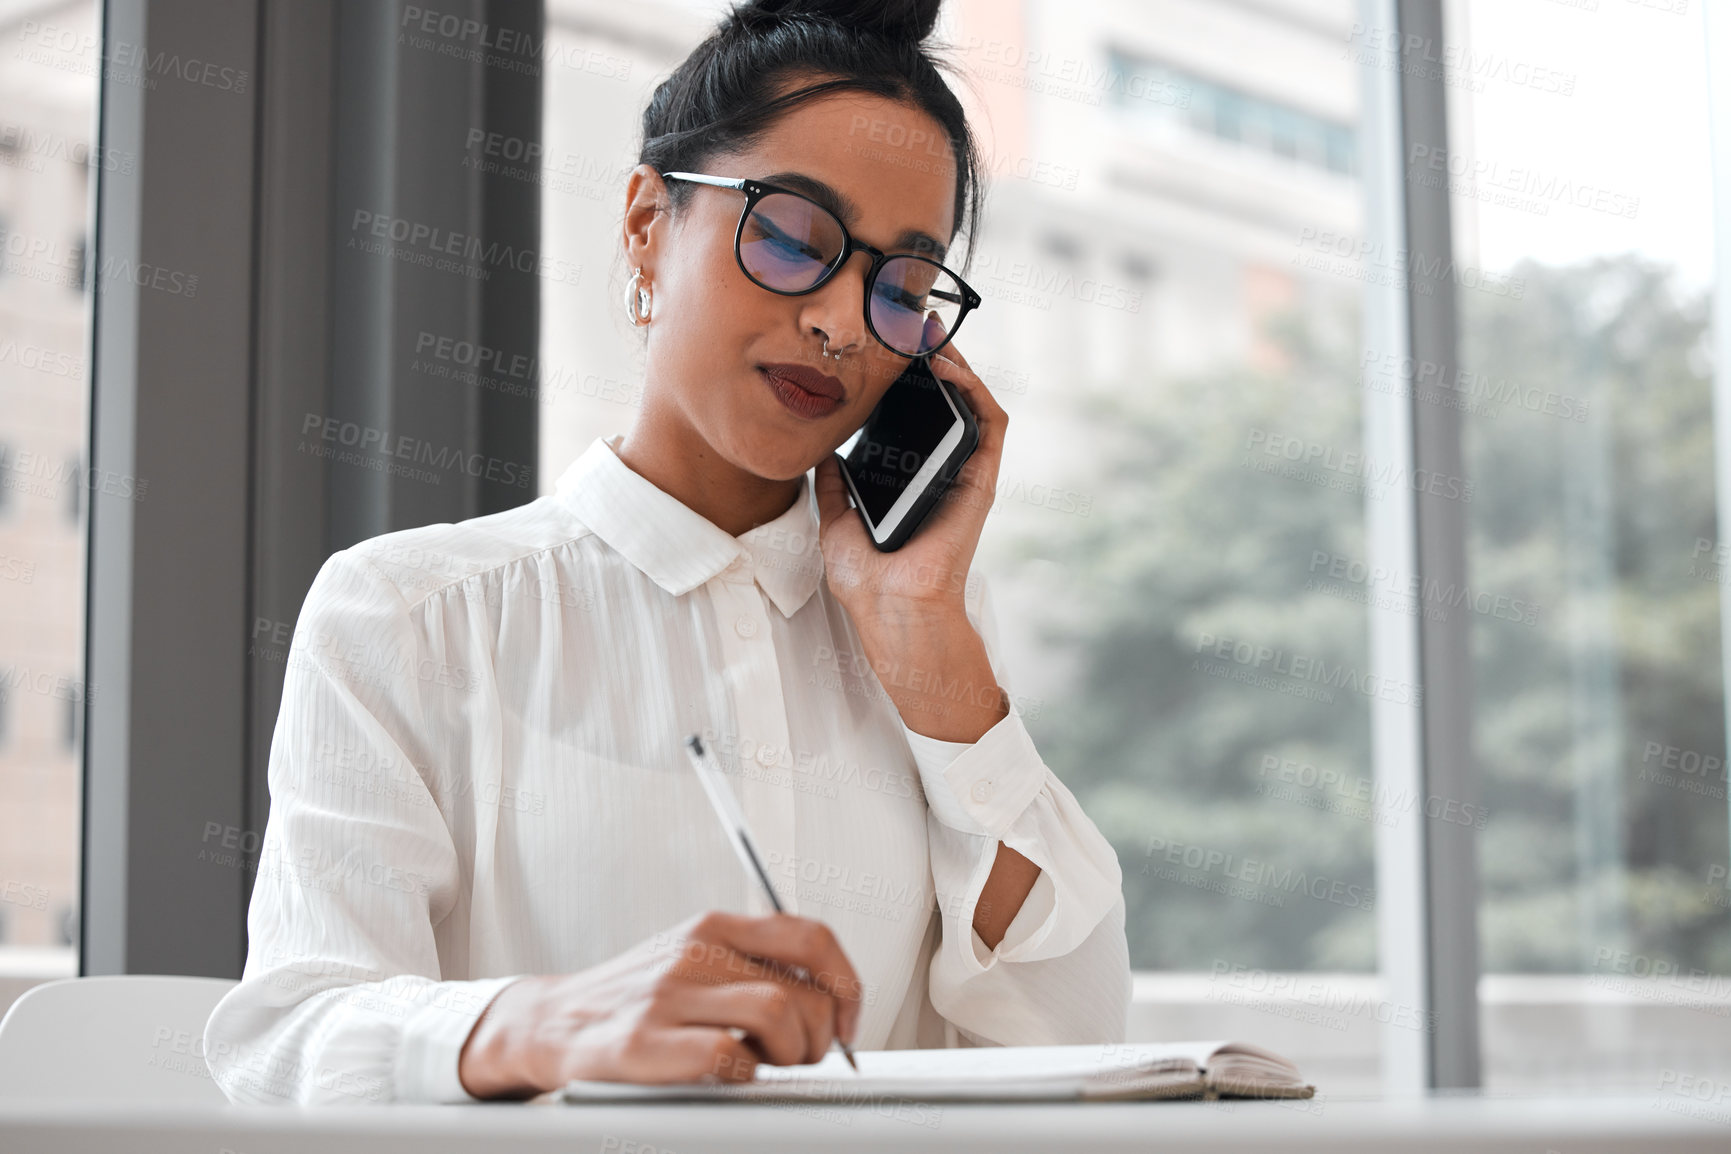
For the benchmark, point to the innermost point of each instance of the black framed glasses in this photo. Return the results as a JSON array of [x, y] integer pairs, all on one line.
[[789, 244]]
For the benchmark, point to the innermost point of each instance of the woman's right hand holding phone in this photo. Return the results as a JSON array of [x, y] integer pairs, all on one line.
[[704, 1001]]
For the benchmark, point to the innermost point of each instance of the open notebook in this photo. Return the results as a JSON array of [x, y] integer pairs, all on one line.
[[996, 1074]]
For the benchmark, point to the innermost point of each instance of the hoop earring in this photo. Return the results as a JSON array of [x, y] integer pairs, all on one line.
[[638, 299]]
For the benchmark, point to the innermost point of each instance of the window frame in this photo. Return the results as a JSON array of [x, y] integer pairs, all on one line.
[[1427, 871]]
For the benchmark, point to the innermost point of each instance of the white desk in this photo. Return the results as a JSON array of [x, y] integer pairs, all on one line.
[[1492, 1125]]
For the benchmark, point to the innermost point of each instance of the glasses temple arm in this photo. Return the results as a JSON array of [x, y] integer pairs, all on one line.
[[700, 178]]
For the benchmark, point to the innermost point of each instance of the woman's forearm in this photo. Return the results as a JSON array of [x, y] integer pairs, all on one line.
[[1012, 878], [934, 667]]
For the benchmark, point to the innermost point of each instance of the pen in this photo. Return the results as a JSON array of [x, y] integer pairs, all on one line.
[[733, 821]]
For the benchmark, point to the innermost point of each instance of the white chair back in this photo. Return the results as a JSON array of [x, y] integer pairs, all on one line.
[[132, 1038]]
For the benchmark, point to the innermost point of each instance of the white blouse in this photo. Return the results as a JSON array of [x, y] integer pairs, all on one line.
[[477, 774]]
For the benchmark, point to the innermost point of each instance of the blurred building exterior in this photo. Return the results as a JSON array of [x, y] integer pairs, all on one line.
[[46, 167]]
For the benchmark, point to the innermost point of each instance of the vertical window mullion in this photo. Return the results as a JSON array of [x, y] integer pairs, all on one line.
[[1427, 878], [1718, 48]]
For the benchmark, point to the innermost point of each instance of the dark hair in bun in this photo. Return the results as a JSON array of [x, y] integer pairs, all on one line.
[[911, 20], [721, 98]]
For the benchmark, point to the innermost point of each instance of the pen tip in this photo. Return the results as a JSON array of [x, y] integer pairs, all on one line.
[[847, 1052]]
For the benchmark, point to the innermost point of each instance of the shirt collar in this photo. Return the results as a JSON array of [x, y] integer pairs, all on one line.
[[679, 549]]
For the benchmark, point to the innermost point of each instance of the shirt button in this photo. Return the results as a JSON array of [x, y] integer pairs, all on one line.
[[982, 791], [745, 627], [766, 754], [738, 565]]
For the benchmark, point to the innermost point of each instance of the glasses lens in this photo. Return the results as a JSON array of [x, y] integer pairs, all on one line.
[[788, 242], [915, 304]]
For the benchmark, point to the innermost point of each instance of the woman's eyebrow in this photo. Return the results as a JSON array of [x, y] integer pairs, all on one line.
[[923, 243]]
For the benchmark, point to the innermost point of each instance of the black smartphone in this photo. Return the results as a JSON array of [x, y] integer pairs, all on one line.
[[907, 454]]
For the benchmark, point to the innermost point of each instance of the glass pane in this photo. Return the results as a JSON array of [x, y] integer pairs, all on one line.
[[1183, 493], [1580, 183], [591, 376], [1176, 549], [48, 166]]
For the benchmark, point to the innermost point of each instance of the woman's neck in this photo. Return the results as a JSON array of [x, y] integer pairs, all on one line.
[[671, 456]]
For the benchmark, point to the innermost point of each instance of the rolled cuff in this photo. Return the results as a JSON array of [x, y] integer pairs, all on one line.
[[432, 1040], [983, 786]]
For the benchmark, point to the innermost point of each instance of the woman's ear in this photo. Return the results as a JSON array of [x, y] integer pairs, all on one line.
[[646, 209]]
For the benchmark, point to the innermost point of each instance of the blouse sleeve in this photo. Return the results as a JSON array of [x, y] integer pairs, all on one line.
[[342, 999], [1061, 974]]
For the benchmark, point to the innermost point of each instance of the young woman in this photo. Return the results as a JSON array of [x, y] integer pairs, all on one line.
[[488, 867]]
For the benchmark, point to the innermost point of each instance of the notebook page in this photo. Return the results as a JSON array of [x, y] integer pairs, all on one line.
[[1000, 1063], [968, 1073]]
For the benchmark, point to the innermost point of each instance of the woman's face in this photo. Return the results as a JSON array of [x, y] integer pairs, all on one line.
[[712, 329]]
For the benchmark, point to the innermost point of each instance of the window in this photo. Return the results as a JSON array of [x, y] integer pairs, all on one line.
[[1215, 107], [1181, 264], [1580, 179], [74, 493], [79, 279], [48, 96]]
